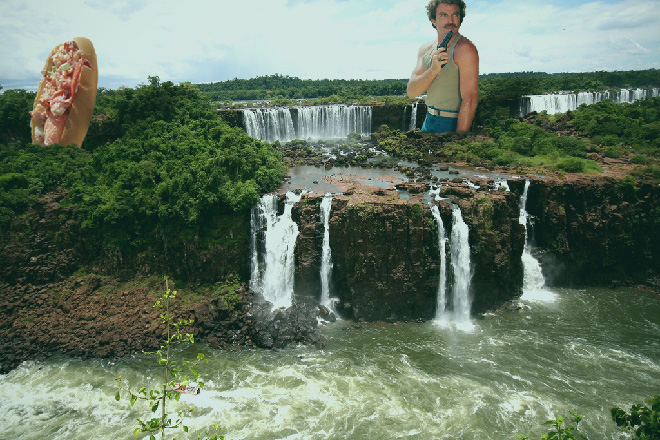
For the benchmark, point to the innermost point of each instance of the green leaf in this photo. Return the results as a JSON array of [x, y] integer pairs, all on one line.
[[137, 431], [185, 428], [133, 399], [117, 396]]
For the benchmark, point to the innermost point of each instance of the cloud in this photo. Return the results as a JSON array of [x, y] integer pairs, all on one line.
[[214, 40], [581, 36]]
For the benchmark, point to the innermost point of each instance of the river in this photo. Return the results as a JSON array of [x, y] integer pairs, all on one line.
[[579, 350]]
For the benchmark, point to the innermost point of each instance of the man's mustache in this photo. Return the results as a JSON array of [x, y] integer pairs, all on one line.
[[450, 25]]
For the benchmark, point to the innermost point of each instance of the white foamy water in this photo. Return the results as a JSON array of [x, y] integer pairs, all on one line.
[[534, 288], [462, 271], [441, 307], [309, 122], [273, 264], [567, 101], [381, 381], [326, 254]]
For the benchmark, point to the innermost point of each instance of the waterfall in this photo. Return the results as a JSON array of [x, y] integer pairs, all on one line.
[[272, 271], [441, 306], [562, 102], [309, 122], [326, 256], [461, 266], [413, 117], [269, 124], [533, 280], [459, 253]]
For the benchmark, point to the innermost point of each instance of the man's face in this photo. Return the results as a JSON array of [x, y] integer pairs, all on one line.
[[447, 17]]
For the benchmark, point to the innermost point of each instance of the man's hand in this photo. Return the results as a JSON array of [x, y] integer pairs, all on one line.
[[439, 59]]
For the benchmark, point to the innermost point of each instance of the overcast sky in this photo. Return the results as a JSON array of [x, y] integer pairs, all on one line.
[[216, 40]]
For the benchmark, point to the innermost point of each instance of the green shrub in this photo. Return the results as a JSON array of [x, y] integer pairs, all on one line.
[[571, 165], [562, 431], [639, 159], [642, 420]]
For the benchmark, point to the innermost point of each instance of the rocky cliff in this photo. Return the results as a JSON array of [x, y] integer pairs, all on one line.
[[596, 230], [385, 251], [62, 294]]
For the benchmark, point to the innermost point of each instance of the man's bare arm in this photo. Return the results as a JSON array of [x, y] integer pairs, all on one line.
[[421, 80], [467, 59]]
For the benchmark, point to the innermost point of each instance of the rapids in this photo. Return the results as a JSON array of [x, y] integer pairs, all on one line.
[[586, 351]]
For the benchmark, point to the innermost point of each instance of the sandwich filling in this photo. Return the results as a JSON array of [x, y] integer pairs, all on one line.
[[60, 85]]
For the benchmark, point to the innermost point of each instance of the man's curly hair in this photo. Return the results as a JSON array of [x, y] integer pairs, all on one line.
[[433, 6]]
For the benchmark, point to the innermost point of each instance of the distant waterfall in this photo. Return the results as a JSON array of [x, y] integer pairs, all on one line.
[[413, 117], [533, 280], [567, 101], [272, 271], [461, 270], [326, 256], [269, 124], [311, 122], [441, 307]]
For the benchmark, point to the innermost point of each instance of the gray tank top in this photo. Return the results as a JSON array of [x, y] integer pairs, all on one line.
[[445, 91]]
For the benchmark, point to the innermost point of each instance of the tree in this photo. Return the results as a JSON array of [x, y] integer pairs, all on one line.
[[15, 106]]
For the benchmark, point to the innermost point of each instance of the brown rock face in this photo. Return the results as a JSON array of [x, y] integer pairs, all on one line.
[[386, 258], [596, 231]]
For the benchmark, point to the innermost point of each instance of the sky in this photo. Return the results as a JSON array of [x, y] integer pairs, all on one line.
[[216, 40]]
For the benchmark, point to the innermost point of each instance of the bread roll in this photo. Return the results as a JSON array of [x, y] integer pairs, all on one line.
[[69, 127]]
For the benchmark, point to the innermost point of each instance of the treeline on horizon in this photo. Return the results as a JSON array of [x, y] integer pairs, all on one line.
[[517, 83]]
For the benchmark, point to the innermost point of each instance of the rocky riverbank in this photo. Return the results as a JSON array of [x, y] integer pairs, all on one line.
[[91, 316]]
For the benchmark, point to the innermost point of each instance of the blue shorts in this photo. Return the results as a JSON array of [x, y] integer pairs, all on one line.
[[439, 124]]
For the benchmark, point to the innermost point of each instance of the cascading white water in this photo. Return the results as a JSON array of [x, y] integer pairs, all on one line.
[[310, 122], [272, 273], [567, 101], [333, 121], [462, 270], [326, 255], [533, 281], [413, 117], [441, 306], [269, 124]]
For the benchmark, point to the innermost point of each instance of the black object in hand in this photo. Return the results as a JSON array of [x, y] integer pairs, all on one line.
[[445, 41]]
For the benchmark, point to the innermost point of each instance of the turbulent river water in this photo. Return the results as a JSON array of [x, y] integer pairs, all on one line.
[[580, 350]]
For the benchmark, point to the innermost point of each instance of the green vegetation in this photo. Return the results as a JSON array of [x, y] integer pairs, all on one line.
[[563, 143], [14, 120], [158, 159], [281, 87], [157, 155], [495, 89], [642, 420], [622, 128], [561, 431], [175, 376]]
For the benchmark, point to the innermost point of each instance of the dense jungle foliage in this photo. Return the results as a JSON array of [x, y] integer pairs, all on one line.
[[156, 154], [504, 86], [159, 154]]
